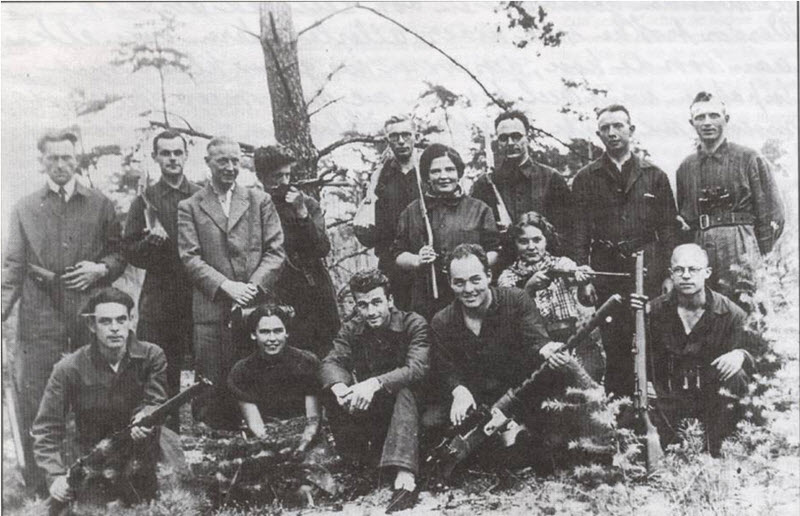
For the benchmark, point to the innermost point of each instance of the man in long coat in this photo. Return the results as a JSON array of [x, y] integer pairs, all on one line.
[[624, 204], [62, 245], [151, 243], [728, 199], [231, 243]]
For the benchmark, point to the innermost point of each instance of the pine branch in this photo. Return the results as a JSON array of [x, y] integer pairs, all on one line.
[[330, 102], [346, 141], [246, 147], [324, 84]]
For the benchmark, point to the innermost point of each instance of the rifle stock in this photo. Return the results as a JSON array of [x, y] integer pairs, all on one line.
[[653, 452], [482, 423]]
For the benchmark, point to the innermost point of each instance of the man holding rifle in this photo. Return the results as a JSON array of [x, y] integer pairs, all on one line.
[[107, 383], [698, 345], [62, 244], [151, 243]]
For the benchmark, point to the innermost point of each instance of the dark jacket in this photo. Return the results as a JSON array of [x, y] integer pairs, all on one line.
[[454, 221], [397, 354], [167, 291], [679, 361], [394, 193], [304, 282], [635, 207], [103, 401], [502, 356], [530, 187]]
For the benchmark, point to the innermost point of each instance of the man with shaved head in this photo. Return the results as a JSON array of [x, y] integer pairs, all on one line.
[[231, 243], [728, 199], [698, 344]]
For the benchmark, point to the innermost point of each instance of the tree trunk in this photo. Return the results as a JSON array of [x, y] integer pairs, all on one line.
[[289, 113]]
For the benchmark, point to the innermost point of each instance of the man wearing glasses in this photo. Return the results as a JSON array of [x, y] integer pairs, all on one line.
[[624, 204], [699, 351], [151, 243], [396, 187], [524, 184]]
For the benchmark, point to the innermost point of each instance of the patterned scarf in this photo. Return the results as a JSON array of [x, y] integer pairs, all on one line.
[[555, 302]]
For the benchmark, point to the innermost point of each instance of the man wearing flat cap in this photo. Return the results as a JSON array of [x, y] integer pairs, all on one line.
[[63, 244]]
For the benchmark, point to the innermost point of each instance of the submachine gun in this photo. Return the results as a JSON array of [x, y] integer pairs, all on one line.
[[114, 450], [483, 422]]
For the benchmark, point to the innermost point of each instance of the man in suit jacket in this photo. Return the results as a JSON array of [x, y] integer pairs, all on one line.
[[62, 245], [231, 243]]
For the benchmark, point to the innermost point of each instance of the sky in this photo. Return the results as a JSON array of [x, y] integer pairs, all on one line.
[[652, 57]]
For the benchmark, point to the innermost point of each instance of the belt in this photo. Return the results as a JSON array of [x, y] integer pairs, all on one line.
[[628, 247], [732, 218]]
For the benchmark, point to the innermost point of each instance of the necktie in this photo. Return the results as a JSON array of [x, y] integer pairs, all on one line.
[[62, 193]]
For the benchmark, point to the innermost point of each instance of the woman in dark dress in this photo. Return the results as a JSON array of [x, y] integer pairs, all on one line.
[[304, 282], [277, 380], [456, 218]]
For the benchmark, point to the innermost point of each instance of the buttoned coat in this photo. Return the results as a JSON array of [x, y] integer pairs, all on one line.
[[246, 246]]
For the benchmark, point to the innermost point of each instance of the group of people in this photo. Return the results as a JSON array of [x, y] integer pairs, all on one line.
[[459, 310]]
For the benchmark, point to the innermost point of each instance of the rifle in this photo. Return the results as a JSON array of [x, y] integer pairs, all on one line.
[[483, 422], [428, 231], [503, 218], [115, 445], [653, 452], [601, 274]]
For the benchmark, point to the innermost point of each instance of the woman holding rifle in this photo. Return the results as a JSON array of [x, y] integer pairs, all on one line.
[[435, 223]]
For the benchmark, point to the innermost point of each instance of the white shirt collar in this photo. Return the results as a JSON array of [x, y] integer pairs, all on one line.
[[69, 186], [224, 198]]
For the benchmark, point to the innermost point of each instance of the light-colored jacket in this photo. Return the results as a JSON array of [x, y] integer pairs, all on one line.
[[246, 246]]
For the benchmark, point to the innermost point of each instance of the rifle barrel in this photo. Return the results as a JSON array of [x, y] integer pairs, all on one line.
[[602, 274]]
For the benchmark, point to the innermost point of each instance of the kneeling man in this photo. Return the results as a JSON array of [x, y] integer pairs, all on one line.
[[699, 351], [107, 384], [370, 383]]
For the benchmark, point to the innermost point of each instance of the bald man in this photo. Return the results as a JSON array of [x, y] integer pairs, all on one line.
[[698, 344]]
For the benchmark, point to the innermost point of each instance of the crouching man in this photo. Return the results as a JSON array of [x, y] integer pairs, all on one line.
[[370, 384], [699, 351], [108, 383]]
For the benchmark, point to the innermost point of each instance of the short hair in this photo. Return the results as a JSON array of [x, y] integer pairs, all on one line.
[[56, 135], [537, 220], [220, 140], [691, 246], [438, 150], [107, 295], [513, 114], [705, 96], [614, 107], [396, 119], [270, 158], [283, 312], [168, 134], [364, 281], [462, 251]]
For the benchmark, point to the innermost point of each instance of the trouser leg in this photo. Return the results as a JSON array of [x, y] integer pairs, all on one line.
[[401, 446], [170, 336], [214, 358], [618, 341]]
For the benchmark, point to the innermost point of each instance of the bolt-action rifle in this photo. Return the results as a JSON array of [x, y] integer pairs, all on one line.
[[653, 452], [483, 422], [115, 445]]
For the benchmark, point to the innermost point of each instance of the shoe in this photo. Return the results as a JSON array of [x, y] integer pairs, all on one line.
[[402, 499]]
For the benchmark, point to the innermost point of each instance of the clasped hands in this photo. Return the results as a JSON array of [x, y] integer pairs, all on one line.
[[241, 293], [358, 396], [83, 275]]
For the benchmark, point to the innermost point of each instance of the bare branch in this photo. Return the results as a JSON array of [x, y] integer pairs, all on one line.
[[334, 101], [494, 99], [246, 147], [324, 19], [324, 83], [550, 135], [248, 33], [346, 141]]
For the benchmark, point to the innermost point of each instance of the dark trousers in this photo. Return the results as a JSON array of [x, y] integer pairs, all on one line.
[[718, 413], [618, 344], [172, 336], [215, 354], [390, 425]]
